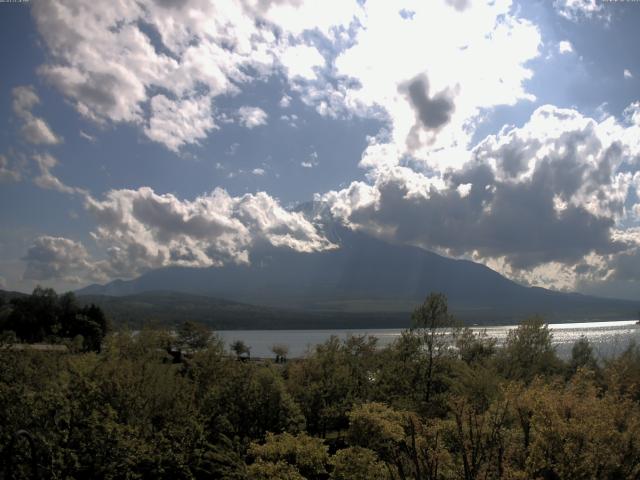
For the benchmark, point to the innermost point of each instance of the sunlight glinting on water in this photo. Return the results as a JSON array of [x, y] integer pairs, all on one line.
[[606, 338]]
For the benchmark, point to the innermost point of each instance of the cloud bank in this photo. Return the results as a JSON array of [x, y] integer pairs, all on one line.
[[550, 194], [141, 230]]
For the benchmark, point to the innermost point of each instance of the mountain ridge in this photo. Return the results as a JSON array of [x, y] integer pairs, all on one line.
[[368, 275]]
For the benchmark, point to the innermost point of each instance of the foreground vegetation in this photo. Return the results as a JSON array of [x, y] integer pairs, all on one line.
[[158, 405]]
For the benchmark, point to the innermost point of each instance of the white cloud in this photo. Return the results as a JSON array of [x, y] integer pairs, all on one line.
[[311, 162], [258, 171], [297, 16], [473, 59], [143, 230], [176, 123], [301, 60], [627, 73], [8, 171], [632, 113], [578, 10], [34, 129], [252, 117], [47, 180], [59, 258], [285, 101], [108, 67], [565, 47], [87, 137], [105, 63]]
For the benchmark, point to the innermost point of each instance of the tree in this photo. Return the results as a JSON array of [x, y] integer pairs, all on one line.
[[474, 348], [33, 318], [250, 400], [528, 351], [308, 456], [241, 349], [193, 336], [45, 316], [582, 357], [281, 351], [329, 381], [379, 428], [429, 322], [357, 463]]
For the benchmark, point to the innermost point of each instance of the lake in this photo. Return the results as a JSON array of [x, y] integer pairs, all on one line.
[[607, 338]]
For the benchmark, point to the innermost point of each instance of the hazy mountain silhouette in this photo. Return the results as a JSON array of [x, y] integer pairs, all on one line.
[[369, 275]]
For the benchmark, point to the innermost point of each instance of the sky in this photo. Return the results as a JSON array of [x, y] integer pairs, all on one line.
[[187, 132]]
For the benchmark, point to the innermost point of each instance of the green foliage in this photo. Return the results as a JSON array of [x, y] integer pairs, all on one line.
[[357, 463], [281, 351], [377, 427], [46, 317], [241, 349], [582, 357], [430, 321], [528, 351], [348, 411], [474, 348], [328, 382], [308, 455], [193, 336], [250, 401]]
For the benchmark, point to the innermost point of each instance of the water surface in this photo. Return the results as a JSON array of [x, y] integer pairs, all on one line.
[[607, 338]]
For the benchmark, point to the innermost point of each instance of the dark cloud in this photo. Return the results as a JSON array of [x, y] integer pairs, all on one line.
[[512, 157], [496, 219], [172, 3], [626, 266], [434, 112], [530, 195]]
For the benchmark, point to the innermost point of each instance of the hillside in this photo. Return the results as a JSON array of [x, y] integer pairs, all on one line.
[[169, 308]]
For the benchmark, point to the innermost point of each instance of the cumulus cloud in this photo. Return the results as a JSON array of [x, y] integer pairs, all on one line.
[[578, 10], [632, 113], [252, 117], [47, 180], [176, 123], [473, 57], [548, 195], [302, 60], [111, 65], [143, 230], [34, 129], [627, 73], [59, 258]]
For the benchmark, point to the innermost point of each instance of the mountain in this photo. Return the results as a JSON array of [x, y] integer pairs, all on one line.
[[6, 295], [369, 276]]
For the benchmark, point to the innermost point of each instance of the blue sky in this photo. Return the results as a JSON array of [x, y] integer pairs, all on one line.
[[185, 133]]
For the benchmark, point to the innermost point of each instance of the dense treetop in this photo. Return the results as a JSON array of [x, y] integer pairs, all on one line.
[[425, 407]]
